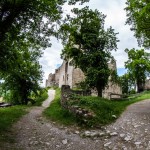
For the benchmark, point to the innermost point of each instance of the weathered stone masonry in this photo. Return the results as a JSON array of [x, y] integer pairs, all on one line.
[[67, 74], [66, 97]]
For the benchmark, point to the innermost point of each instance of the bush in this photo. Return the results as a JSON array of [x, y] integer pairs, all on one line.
[[42, 96]]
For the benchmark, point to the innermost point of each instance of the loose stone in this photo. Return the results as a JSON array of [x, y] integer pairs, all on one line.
[[101, 134], [122, 135], [137, 143], [64, 141], [113, 134], [77, 132], [107, 144], [128, 138]]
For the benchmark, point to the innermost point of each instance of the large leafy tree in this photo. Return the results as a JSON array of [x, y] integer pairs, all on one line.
[[31, 18], [127, 83], [138, 66], [23, 74], [138, 13], [89, 46], [26, 27], [31, 21]]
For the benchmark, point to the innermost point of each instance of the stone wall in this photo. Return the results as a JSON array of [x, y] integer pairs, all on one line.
[[66, 92], [77, 76], [67, 74], [51, 80], [147, 85], [57, 75], [112, 88], [66, 96], [62, 74]]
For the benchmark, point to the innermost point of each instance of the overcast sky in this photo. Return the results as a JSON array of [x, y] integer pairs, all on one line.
[[116, 17]]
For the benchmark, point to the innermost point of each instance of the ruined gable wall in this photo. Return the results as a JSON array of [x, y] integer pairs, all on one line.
[[46, 84], [62, 74], [69, 75], [147, 84], [57, 75], [111, 88], [65, 75], [51, 80], [78, 76]]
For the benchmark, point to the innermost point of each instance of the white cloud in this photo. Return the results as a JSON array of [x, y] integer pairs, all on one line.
[[116, 17], [51, 58]]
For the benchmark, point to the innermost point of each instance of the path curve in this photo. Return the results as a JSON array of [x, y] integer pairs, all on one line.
[[51, 95], [132, 128], [131, 132]]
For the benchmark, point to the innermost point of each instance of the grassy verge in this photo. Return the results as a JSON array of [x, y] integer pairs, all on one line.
[[56, 113], [8, 116], [104, 109]]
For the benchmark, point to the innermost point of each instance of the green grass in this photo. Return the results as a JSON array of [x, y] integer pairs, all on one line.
[[56, 113], [8, 116], [104, 109]]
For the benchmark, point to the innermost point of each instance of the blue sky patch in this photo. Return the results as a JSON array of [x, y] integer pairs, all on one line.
[[121, 71]]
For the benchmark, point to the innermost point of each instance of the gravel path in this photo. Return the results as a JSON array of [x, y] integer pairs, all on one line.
[[129, 132], [132, 128], [47, 102]]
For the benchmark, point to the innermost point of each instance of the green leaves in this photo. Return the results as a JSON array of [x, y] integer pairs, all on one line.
[[25, 28], [138, 66], [22, 73], [139, 16], [89, 45]]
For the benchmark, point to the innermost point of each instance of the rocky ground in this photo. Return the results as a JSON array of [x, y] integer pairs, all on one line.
[[129, 132]]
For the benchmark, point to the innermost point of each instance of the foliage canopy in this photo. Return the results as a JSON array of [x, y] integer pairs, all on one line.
[[89, 46], [138, 66], [23, 75], [139, 17], [25, 28]]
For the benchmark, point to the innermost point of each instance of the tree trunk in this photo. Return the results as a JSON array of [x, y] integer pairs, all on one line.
[[99, 90], [140, 86], [24, 94]]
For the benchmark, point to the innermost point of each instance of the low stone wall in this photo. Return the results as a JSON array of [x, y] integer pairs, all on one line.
[[66, 98], [65, 95], [66, 92]]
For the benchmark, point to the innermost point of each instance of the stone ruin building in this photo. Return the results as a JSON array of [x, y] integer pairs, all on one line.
[[147, 85], [67, 74]]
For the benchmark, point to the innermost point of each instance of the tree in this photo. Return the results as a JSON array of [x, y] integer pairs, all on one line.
[[127, 83], [25, 28], [31, 18], [31, 21], [139, 17], [138, 66], [89, 46], [23, 75]]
